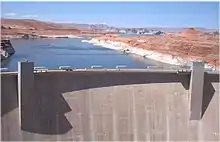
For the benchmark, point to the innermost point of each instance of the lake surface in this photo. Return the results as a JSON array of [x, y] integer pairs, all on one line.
[[52, 53]]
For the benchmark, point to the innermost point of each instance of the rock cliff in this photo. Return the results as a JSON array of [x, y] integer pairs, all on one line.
[[6, 49]]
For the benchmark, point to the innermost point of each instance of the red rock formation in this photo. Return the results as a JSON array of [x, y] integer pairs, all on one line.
[[189, 44], [191, 33]]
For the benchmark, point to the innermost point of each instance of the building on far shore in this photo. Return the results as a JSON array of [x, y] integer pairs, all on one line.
[[122, 31], [112, 30]]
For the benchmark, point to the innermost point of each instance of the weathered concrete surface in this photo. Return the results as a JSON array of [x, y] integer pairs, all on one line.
[[112, 106]]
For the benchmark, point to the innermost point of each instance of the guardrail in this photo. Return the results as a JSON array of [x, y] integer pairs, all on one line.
[[4, 69], [66, 68], [96, 67], [121, 66], [40, 69], [179, 70]]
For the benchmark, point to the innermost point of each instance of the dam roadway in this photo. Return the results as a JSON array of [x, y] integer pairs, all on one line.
[[111, 104]]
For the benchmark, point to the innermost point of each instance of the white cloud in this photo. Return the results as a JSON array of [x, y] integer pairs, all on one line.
[[29, 16], [10, 14]]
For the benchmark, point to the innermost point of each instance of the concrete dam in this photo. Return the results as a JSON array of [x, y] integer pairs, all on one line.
[[109, 105]]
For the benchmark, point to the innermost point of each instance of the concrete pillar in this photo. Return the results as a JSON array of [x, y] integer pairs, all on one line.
[[196, 90], [25, 90]]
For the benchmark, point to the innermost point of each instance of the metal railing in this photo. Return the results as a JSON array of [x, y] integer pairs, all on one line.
[[40, 69], [117, 67], [4, 69]]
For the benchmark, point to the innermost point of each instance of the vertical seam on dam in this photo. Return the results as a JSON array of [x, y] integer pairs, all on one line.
[[135, 129], [167, 119], [114, 117], [92, 132]]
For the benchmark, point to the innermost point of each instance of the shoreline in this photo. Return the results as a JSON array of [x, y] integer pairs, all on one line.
[[161, 57], [40, 36], [60, 36]]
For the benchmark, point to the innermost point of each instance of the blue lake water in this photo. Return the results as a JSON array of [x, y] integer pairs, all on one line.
[[52, 53]]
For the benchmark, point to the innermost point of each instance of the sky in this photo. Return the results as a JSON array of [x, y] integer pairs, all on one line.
[[120, 14]]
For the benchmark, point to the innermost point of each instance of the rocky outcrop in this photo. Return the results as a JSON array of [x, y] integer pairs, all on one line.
[[159, 33], [30, 36], [3, 27], [6, 49]]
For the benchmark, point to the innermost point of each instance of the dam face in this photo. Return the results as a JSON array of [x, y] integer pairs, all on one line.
[[107, 105]]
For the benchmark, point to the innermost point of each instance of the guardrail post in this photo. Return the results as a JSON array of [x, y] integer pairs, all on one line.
[[25, 91], [196, 90]]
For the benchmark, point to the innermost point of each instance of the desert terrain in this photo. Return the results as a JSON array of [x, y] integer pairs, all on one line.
[[20, 27], [189, 44]]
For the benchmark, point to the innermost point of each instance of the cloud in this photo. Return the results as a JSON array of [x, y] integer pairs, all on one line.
[[29, 16], [10, 14]]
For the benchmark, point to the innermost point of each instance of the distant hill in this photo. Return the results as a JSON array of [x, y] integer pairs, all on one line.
[[29, 24], [35, 27], [174, 29], [36, 24], [88, 26]]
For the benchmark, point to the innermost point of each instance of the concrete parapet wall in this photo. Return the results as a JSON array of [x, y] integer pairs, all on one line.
[[110, 105]]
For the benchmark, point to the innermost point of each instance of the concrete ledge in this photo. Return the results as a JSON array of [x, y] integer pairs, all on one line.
[[121, 70]]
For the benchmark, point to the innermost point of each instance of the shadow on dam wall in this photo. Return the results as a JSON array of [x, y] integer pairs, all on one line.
[[70, 106], [50, 87], [9, 93], [208, 90]]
